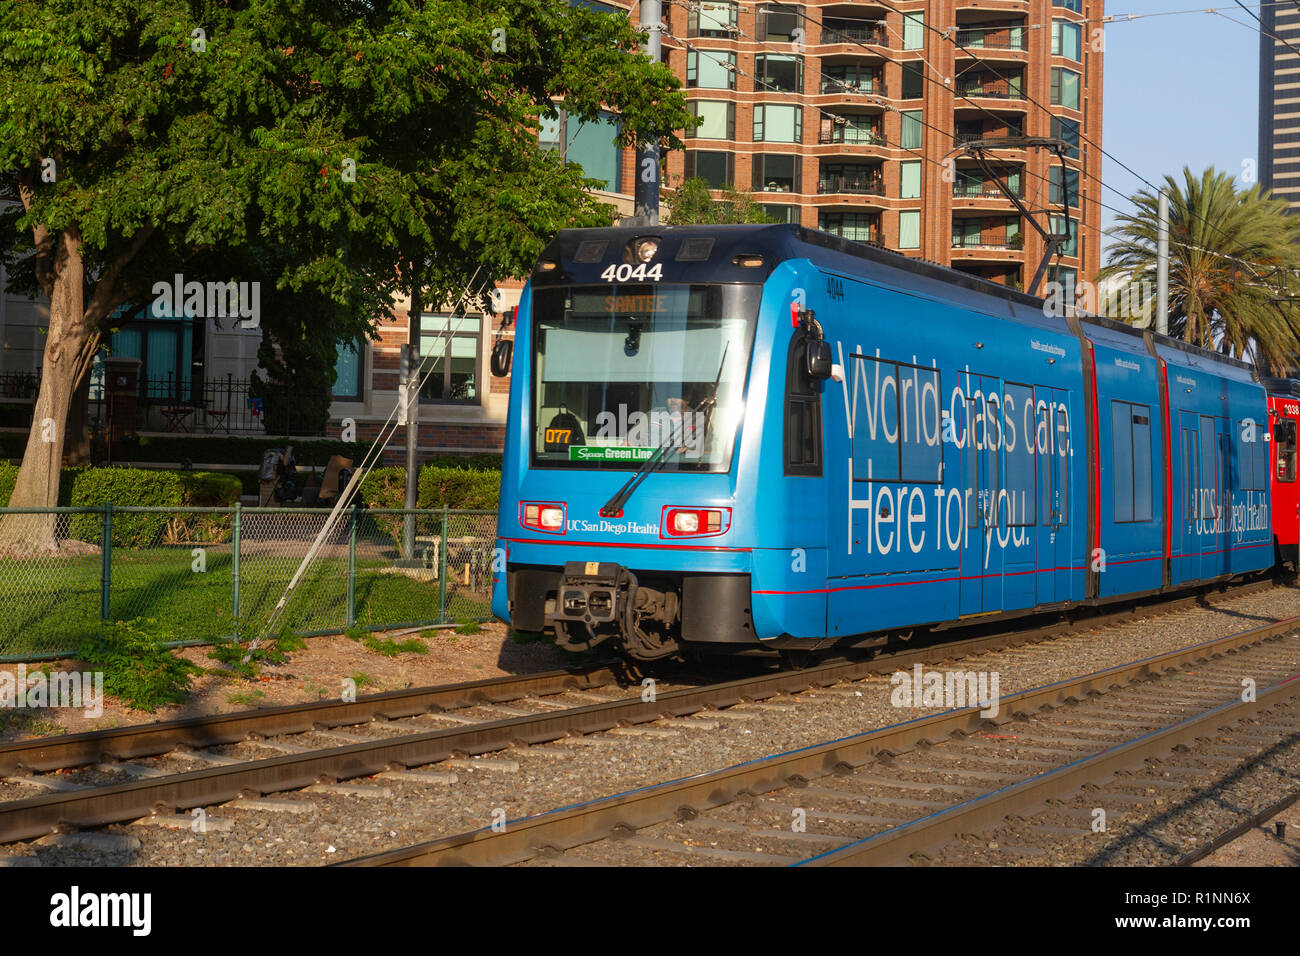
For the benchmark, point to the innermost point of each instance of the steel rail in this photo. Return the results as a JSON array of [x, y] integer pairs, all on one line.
[[565, 828], [1241, 829], [100, 805], [147, 740], [896, 845]]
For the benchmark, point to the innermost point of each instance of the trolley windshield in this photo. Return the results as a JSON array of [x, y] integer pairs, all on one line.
[[620, 370]]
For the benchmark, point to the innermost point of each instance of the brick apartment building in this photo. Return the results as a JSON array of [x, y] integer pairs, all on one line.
[[842, 116]]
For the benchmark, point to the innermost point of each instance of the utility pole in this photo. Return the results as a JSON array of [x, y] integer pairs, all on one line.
[[410, 397], [1162, 265], [646, 209]]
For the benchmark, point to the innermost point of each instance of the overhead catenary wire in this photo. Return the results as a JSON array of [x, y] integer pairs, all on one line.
[[373, 453]]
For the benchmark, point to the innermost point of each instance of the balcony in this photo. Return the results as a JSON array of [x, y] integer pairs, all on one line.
[[833, 32], [970, 137], [860, 87], [1012, 38], [851, 136], [991, 243], [857, 185], [979, 191], [990, 90]]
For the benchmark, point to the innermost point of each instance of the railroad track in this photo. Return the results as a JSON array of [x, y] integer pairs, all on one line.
[[913, 792], [119, 787]]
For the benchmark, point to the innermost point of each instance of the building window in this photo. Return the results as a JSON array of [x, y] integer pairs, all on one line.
[[1066, 39], [1066, 277], [851, 78], [590, 145], [1070, 246], [911, 129], [909, 180], [781, 213], [858, 226], [449, 347], [778, 124], [1067, 130], [711, 69], [347, 372], [913, 81], [966, 234], [719, 120], [913, 31], [776, 173], [778, 72], [1054, 186], [778, 21], [1075, 5], [1065, 88], [909, 229], [711, 20], [717, 169]]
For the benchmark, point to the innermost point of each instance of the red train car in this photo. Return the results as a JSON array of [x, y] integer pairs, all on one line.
[[1283, 415]]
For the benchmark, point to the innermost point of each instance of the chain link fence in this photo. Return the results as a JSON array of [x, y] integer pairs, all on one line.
[[200, 574]]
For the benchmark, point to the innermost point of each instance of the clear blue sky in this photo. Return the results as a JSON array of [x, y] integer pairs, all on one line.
[[1178, 91]]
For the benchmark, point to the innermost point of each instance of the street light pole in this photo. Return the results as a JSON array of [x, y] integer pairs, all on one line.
[[646, 190], [1162, 265]]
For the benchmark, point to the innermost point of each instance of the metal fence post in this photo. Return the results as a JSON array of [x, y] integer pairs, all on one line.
[[106, 563], [234, 562], [352, 567], [442, 570]]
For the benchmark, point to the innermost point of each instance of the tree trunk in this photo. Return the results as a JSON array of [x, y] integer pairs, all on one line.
[[67, 353]]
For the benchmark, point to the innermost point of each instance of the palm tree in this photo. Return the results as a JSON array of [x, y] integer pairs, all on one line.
[[1234, 266]]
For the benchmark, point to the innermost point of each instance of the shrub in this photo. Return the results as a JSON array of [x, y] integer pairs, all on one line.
[[458, 488], [95, 487], [137, 668]]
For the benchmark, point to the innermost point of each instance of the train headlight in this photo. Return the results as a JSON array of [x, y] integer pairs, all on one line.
[[545, 516], [694, 522], [644, 249]]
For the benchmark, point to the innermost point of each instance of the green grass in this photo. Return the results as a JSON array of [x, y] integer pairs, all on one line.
[[50, 604]]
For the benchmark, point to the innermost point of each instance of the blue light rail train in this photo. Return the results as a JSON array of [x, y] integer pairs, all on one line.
[[765, 438]]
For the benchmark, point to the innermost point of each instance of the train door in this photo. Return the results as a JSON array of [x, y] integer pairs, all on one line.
[[1209, 495], [981, 565], [1187, 566], [1052, 437]]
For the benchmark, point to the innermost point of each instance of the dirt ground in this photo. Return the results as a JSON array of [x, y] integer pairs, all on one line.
[[316, 672]]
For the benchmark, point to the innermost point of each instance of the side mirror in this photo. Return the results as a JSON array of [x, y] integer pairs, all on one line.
[[501, 355], [819, 359]]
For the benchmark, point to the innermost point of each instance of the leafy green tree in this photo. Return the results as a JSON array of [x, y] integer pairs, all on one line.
[[1233, 265], [343, 148], [692, 204]]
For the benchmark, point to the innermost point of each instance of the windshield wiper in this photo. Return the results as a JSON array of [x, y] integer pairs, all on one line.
[[614, 506]]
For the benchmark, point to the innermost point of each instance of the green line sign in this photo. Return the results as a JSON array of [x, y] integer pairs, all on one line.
[[608, 453]]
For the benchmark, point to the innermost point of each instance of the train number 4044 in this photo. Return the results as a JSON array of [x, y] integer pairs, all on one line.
[[625, 272]]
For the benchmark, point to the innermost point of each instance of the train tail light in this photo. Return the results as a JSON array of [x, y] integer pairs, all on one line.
[[694, 522], [546, 516]]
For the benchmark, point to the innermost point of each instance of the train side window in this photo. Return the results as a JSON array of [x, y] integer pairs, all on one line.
[[1131, 461], [875, 419], [803, 414], [1284, 438]]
